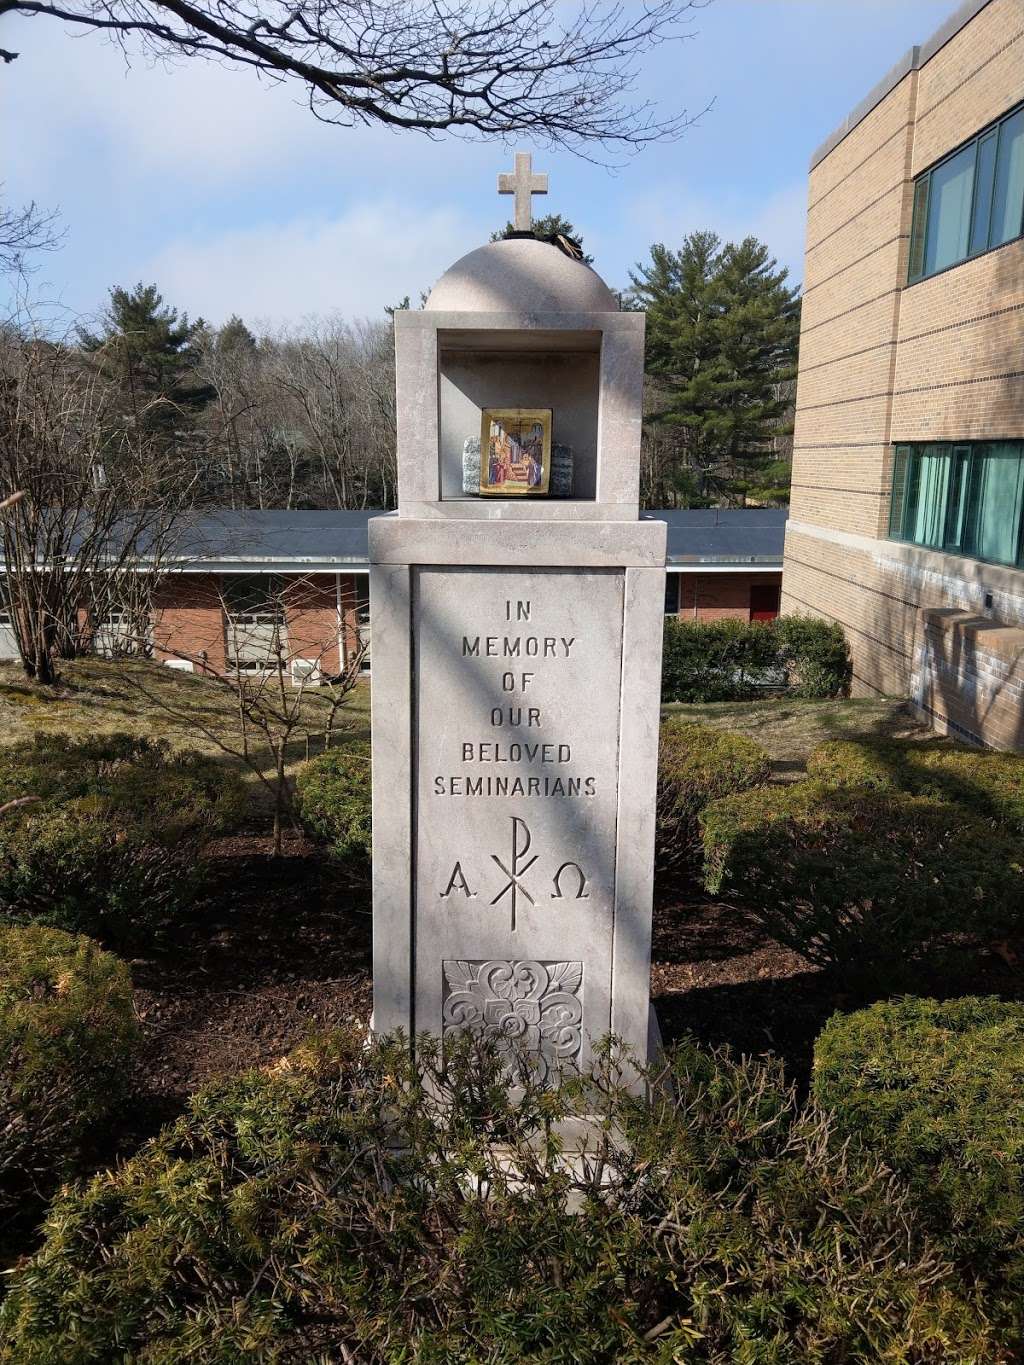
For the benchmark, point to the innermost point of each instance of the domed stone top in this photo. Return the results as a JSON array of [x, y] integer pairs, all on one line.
[[520, 274]]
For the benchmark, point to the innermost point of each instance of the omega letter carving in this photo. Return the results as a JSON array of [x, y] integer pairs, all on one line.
[[581, 893]]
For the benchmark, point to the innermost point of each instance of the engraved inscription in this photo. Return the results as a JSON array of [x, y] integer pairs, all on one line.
[[514, 869], [529, 1005]]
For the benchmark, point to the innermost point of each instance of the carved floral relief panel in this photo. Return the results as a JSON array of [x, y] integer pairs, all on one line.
[[536, 1006]]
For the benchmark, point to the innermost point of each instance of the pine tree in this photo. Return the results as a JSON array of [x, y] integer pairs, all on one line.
[[552, 224], [147, 347], [234, 337], [722, 335]]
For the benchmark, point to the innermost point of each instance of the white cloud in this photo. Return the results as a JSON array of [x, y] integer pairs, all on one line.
[[354, 264]]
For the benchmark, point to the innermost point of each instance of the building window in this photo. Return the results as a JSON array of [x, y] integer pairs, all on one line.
[[970, 202], [255, 624], [672, 581], [964, 498]]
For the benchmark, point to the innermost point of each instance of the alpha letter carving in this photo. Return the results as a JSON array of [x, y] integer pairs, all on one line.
[[457, 882]]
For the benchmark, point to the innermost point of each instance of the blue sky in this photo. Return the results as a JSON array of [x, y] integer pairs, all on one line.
[[233, 198]]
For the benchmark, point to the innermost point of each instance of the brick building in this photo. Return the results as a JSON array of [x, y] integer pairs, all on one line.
[[908, 469], [246, 579]]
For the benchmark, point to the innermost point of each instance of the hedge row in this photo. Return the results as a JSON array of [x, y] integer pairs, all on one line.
[[697, 764], [334, 798], [875, 886], [936, 1089], [110, 846], [67, 1030], [736, 660], [350, 1206], [990, 785]]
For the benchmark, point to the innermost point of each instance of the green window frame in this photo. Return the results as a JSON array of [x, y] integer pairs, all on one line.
[[971, 201], [961, 497]]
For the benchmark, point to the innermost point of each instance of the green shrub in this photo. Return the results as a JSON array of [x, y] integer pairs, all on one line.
[[989, 784], [334, 800], [355, 1206], [74, 867], [697, 764], [736, 660], [936, 1088], [66, 1033], [172, 795], [873, 885], [815, 656]]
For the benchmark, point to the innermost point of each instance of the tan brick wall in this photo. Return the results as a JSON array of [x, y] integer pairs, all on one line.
[[188, 620], [960, 359], [881, 362], [970, 81], [968, 678]]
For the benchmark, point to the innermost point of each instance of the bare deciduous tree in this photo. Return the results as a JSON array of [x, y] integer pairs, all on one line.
[[272, 672], [23, 231], [303, 418], [561, 74], [94, 509]]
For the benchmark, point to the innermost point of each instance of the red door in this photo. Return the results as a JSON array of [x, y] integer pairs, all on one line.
[[764, 601]]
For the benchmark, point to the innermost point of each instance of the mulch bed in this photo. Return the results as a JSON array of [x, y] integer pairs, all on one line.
[[281, 948]]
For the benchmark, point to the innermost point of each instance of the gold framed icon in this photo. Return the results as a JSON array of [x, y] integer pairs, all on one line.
[[515, 452]]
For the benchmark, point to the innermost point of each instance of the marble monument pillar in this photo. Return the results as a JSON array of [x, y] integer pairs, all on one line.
[[516, 670]]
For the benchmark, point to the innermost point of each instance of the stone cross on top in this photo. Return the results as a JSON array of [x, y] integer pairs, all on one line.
[[523, 183]]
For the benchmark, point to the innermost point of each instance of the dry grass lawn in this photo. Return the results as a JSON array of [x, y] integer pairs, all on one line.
[[99, 696], [789, 728]]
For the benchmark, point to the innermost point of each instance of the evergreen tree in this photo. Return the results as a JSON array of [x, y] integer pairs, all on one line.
[[723, 329], [142, 337], [235, 338], [150, 349], [551, 225]]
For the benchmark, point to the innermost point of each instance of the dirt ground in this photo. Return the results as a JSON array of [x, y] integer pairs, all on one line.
[[282, 948]]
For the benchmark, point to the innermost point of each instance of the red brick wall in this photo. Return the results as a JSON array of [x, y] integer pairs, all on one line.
[[720, 595], [352, 587], [188, 620], [312, 612]]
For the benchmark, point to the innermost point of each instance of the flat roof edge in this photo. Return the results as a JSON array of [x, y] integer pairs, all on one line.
[[912, 60]]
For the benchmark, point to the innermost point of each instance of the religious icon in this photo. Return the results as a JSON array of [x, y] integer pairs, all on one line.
[[515, 450]]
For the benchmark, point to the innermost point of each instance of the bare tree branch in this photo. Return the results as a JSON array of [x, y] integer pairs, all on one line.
[[88, 503], [25, 230], [561, 73]]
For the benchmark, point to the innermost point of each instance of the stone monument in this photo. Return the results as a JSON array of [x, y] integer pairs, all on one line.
[[516, 668]]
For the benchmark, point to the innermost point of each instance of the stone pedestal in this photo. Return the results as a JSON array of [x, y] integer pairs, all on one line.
[[516, 686]]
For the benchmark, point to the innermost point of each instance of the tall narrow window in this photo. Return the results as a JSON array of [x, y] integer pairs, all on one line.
[[918, 231], [1008, 196], [897, 505], [957, 510], [671, 594], [984, 172], [949, 210], [927, 489], [993, 525]]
